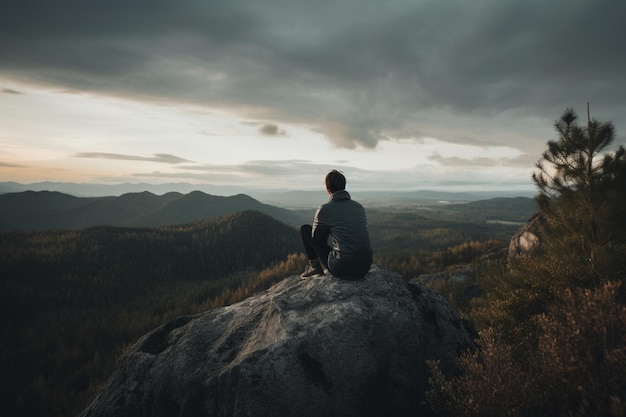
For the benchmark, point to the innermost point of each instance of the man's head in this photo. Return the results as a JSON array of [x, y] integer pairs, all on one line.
[[335, 181]]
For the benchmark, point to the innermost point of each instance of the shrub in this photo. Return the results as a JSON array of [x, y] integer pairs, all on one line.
[[577, 369]]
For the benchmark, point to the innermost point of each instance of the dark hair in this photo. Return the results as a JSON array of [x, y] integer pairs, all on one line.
[[335, 181]]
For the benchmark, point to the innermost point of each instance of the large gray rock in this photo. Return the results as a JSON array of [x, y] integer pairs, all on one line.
[[314, 347]]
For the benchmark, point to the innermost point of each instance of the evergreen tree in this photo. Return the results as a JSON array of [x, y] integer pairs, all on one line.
[[581, 200], [553, 321], [582, 192]]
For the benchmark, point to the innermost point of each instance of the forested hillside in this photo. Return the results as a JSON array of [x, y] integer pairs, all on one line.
[[76, 298], [72, 300], [407, 231], [514, 210], [31, 210]]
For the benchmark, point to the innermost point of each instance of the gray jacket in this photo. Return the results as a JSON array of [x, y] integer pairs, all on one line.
[[342, 225]]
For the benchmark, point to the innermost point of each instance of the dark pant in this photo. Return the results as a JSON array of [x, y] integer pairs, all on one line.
[[312, 248]]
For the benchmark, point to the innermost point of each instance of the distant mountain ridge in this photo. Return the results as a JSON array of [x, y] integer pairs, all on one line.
[[104, 190], [40, 210], [277, 197]]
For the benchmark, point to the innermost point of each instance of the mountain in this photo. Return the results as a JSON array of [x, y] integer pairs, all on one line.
[[103, 190], [278, 197], [314, 347], [37, 210], [216, 247]]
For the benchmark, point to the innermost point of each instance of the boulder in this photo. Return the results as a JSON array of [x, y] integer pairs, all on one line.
[[305, 347], [527, 236]]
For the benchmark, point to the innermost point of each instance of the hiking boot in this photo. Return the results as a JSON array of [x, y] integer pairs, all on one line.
[[312, 271]]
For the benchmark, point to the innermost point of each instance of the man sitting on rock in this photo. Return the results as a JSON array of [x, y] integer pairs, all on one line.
[[338, 241]]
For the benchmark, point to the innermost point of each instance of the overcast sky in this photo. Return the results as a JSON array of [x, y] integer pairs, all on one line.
[[401, 94]]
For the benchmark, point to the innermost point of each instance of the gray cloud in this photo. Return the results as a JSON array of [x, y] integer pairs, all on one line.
[[465, 162], [522, 161], [270, 129], [158, 157], [356, 71], [269, 168], [301, 174], [9, 91], [285, 174]]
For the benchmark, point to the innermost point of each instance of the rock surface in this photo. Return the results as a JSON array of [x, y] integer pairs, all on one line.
[[314, 347], [527, 236]]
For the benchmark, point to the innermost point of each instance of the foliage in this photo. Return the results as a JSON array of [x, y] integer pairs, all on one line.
[[581, 197], [579, 367], [486, 387], [553, 338], [583, 343], [413, 264], [74, 300], [407, 232]]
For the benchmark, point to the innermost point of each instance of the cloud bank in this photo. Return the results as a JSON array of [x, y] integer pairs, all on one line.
[[358, 71], [160, 157]]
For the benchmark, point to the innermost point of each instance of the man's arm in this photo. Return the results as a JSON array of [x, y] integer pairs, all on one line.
[[320, 228]]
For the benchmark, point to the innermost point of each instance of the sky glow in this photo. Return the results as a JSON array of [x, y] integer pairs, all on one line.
[[416, 95]]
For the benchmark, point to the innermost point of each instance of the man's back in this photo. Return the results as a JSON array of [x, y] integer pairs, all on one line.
[[338, 240], [342, 224]]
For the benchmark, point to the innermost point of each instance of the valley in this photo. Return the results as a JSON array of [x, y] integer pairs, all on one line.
[[74, 297]]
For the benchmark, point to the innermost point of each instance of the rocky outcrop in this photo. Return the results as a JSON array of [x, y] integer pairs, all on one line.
[[527, 236], [314, 347]]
